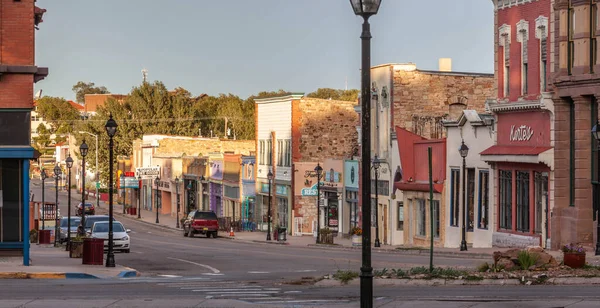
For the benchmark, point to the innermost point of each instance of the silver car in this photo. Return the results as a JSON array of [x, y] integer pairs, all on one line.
[[75, 221]]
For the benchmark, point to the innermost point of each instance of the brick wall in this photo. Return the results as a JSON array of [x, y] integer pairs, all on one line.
[[422, 98], [205, 146], [325, 129]]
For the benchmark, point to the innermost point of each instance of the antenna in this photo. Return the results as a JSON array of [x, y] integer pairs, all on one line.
[[38, 94], [144, 74], [346, 83]]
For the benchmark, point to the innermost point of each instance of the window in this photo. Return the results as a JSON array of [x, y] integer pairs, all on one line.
[[484, 199], [571, 35], [541, 199], [282, 213], [572, 154], [288, 153], [280, 152], [352, 201], [522, 201], [470, 198], [261, 152], [436, 218], [505, 199], [504, 33], [373, 216], [593, 26], [269, 151], [15, 127], [524, 78], [523, 32], [400, 225], [383, 187], [421, 216], [454, 197]]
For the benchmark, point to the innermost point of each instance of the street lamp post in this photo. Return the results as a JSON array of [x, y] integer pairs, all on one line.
[[376, 165], [270, 177], [464, 151], [97, 170], [43, 175], [596, 134], [69, 162], [177, 193], [139, 196], [318, 171], [366, 8], [156, 182], [83, 150], [56, 227], [111, 130]]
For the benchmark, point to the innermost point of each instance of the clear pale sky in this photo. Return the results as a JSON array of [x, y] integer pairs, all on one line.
[[247, 46]]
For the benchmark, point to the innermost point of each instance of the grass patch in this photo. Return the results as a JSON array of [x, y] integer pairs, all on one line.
[[483, 267], [589, 266], [381, 273], [345, 276], [527, 259]]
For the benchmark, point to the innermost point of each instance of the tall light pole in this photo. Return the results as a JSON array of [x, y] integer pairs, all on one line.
[[97, 170], [139, 196], [43, 175], [156, 182], [464, 151], [111, 130], [177, 193], [376, 165], [69, 162], [596, 134], [83, 150], [270, 177], [366, 8], [56, 227], [318, 171]]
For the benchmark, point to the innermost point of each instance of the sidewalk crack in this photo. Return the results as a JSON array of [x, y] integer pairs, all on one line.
[[113, 303]]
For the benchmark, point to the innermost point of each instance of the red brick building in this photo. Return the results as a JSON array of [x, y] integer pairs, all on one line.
[[18, 73], [523, 153], [576, 92]]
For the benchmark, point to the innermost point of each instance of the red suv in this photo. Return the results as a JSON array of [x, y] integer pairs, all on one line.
[[203, 222]]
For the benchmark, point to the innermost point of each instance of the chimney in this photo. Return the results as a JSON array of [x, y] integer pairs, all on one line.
[[445, 65]]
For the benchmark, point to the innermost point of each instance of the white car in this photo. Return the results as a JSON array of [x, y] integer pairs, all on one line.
[[121, 241]]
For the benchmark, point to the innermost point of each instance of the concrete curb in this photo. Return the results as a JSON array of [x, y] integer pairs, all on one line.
[[45, 275], [80, 276], [456, 282], [128, 274], [409, 251]]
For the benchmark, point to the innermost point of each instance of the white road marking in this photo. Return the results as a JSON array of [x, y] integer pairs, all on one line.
[[217, 288], [223, 290], [244, 292], [305, 271], [212, 274], [214, 270], [257, 272], [302, 301], [169, 276], [287, 292], [265, 298]]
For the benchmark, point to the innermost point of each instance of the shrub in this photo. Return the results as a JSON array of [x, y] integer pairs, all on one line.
[[356, 231], [526, 259], [345, 276], [484, 267]]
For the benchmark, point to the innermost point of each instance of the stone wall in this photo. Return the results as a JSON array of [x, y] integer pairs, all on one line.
[[325, 129], [305, 209], [202, 147], [422, 98]]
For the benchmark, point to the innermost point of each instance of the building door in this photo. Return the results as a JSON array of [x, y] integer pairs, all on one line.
[[541, 205], [384, 219], [11, 211]]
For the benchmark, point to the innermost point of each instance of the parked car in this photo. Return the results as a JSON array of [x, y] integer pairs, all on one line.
[[90, 220], [203, 222], [89, 209], [121, 241], [64, 225]]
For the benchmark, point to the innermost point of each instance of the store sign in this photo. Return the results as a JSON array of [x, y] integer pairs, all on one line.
[[521, 133], [332, 169], [281, 190], [531, 128], [310, 191], [147, 173], [351, 173], [305, 179], [130, 182], [216, 170]]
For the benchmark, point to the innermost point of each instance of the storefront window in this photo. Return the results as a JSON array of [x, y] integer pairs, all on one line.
[[436, 218], [505, 199], [470, 198], [10, 198], [484, 198], [421, 217], [454, 197], [541, 199], [400, 216], [282, 213], [523, 201], [352, 201]]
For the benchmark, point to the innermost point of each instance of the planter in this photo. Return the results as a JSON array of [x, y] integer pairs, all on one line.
[[326, 238], [76, 249], [574, 259], [356, 240]]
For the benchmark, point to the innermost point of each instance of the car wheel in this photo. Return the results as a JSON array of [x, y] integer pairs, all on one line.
[[215, 234], [208, 234], [126, 250], [191, 233], [185, 234]]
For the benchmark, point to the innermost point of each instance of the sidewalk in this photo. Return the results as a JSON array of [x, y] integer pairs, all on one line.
[[168, 222], [49, 262]]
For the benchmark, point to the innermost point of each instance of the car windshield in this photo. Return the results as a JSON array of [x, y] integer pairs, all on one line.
[[102, 227], [74, 222], [89, 221], [205, 215], [87, 205]]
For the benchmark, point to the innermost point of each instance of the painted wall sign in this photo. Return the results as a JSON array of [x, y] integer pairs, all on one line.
[[216, 169], [521, 133], [351, 173], [281, 190], [305, 179], [531, 128], [333, 171]]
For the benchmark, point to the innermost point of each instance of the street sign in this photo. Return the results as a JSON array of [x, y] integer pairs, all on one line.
[[97, 184], [147, 173], [130, 182]]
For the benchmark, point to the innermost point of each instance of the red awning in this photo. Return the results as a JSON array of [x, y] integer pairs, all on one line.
[[418, 187], [514, 150]]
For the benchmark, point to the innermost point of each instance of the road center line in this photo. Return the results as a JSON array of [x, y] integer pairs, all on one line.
[[214, 270]]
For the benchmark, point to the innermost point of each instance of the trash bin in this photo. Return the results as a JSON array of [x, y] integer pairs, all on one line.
[[93, 251], [133, 211], [281, 234], [44, 237]]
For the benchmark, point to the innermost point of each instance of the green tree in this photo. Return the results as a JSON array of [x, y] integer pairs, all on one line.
[[43, 138], [59, 114], [82, 88], [335, 94]]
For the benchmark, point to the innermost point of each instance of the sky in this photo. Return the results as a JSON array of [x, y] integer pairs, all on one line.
[[247, 46]]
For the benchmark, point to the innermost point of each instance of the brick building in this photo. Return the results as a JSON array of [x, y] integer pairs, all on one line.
[[293, 134], [417, 101], [576, 91], [522, 157], [93, 101], [18, 73]]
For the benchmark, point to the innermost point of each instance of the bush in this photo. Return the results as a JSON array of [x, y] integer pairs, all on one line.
[[345, 276], [527, 259], [484, 267]]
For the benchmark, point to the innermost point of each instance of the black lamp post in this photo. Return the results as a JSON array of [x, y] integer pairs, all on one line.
[[596, 134], [318, 171], [464, 151], [376, 165], [270, 177], [69, 162], [43, 175], [56, 227], [156, 180], [83, 150], [366, 8], [139, 196], [177, 193], [111, 130]]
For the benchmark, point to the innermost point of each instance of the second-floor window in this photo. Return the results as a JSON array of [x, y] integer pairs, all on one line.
[[571, 35], [593, 26], [284, 153]]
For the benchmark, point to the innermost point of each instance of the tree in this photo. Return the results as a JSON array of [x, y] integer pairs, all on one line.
[[59, 114], [82, 88], [335, 94], [43, 138]]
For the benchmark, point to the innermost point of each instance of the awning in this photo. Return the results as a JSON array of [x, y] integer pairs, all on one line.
[[519, 154], [417, 187]]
